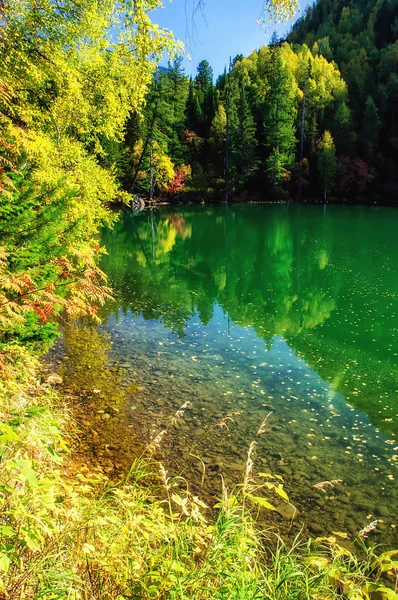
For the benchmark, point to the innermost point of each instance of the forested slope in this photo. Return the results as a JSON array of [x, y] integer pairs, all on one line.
[[313, 117], [362, 38], [261, 130]]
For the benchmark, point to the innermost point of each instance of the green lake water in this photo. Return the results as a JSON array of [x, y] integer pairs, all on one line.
[[251, 310]]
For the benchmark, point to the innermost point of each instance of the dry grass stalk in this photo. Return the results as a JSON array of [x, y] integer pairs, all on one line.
[[228, 418], [155, 444], [321, 486], [371, 527], [249, 467], [261, 429], [163, 474], [180, 412]]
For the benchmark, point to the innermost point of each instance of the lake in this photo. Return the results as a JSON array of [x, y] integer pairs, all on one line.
[[252, 313]]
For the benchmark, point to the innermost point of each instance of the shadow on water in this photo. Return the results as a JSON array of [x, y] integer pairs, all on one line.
[[252, 310]]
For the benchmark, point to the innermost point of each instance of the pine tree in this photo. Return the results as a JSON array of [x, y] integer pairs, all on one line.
[[342, 128], [279, 121], [204, 104], [156, 136], [243, 136], [178, 93], [217, 139], [191, 107], [371, 127]]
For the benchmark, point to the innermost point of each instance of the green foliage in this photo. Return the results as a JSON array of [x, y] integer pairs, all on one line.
[[279, 118], [371, 127], [243, 141], [217, 139], [362, 40], [155, 141], [69, 81], [327, 162], [201, 110], [261, 107], [279, 100]]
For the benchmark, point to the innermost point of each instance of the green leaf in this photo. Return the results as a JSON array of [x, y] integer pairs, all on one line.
[[8, 434], [6, 488], [4, 563], [29, 475], [7, 531], [260, 501], [388, 554], [389, 566], [281, 492], [384, 593], [31, 543], [54, 454], [178, 567]]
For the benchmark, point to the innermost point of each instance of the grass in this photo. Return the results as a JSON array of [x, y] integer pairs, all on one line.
[[78, 536]]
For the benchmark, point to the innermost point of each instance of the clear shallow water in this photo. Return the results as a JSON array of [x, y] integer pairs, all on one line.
[[258, 309]]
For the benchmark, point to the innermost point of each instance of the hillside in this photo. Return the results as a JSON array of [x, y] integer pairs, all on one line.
[[362, 38]]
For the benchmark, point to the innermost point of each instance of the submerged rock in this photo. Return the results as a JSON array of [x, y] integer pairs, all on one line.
[[382, 511], [315, 528], [287, 511]]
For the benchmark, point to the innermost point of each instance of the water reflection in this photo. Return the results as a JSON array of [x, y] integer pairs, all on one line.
[[327, 282], [258, 309]]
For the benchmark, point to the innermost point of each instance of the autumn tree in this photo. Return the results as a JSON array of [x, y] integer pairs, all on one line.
[[71, 74]]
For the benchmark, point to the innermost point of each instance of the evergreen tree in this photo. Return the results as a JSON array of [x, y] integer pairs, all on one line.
[[243, 136], [274, 41], [342, 128], [204, 99], [280, 119], [371, 127], [177, 89], [191, 109], [204, 75]]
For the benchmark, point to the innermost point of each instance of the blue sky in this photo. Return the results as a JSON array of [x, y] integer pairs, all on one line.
[[229, 28]]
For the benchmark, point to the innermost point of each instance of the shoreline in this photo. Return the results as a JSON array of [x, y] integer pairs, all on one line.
[[158, 203], [94, 535]]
